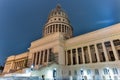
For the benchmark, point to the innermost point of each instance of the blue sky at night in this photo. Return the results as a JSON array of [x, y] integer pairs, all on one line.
[[22, 21]]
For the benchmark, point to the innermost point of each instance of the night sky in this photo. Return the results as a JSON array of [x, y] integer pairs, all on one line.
[[22, 21]]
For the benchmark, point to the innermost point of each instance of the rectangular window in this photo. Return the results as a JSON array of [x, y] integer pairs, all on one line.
[[69, 73], [75, 72], [105, 71], [115, 71], [74, 56], [81, 72], [96, 72], [88, 71]]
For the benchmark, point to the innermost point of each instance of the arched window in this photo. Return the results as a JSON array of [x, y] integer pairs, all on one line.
[[59, 19]]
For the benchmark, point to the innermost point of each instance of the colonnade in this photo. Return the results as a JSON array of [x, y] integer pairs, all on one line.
[[92, 53], [57, 28], [41, 57], [19, 64]]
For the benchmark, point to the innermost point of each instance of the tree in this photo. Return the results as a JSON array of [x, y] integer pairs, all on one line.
[[1, 68]]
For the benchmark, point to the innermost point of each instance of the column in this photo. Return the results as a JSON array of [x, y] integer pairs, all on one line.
[[33, 58], [36, 58], [77, 56], [71, 57], [46, 30], [97, 54], [105, 51], [21, 63], [48, 56], [39, 58], [12, 63], [66, 57], [55, 27], [51, 28], [24, 63], [114, 50], [64, 28], [43, 56], [83, 58], [89, 52]]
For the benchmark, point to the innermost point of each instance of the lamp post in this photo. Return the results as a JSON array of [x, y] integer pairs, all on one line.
[[32, 67]]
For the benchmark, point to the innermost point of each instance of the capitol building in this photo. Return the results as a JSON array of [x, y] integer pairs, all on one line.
[[60, 56]]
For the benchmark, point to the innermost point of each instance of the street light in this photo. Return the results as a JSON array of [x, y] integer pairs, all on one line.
[[32, 66]]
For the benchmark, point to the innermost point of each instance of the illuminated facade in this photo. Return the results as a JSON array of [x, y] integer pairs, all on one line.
[[91, 56]]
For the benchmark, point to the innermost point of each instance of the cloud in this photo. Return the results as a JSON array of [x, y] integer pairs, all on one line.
[[104, 21]]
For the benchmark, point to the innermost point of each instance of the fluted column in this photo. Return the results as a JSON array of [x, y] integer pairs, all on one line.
[[97, 54], [89, 52], [83, 57], [76, 56], [105, 51], [114, 50]]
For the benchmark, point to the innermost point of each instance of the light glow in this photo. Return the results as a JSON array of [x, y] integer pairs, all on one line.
[[50, 74]]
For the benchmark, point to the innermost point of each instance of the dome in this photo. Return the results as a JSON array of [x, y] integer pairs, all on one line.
[[57, 12], [58, 22]]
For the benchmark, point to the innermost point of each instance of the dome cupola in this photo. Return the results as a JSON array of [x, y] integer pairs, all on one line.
[[58, 22]]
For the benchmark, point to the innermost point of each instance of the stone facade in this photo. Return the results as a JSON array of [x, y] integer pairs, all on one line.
[[91, 56]]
